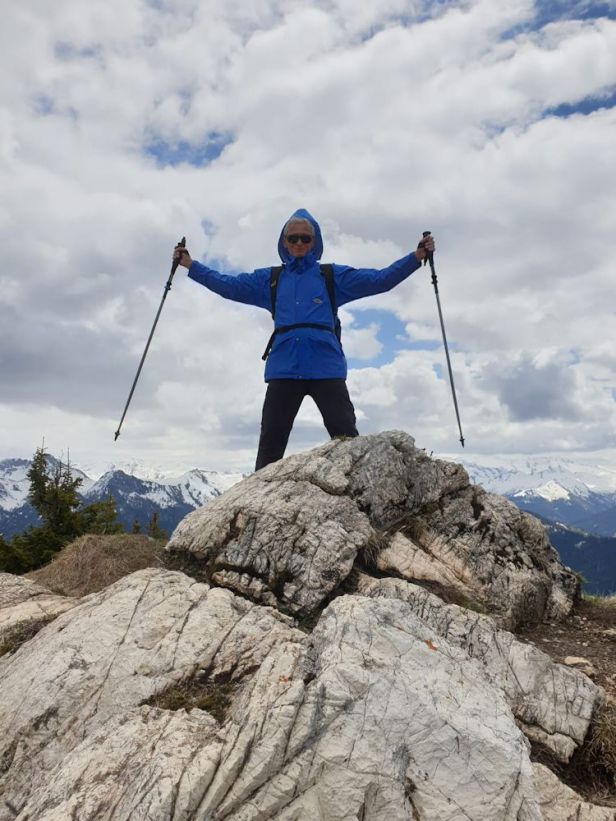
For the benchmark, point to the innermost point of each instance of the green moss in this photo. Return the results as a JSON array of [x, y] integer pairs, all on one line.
[[471, 604]]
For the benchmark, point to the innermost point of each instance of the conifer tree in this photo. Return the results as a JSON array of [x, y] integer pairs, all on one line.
[[12, 559], [155, 531], [54, 495], [101, 517]]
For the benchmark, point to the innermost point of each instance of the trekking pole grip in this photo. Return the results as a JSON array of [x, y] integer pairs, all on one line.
[[176, 262], [429, 258]]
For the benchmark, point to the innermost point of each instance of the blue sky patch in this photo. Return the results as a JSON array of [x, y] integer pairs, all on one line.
[[182, 152], [209, 229], [45, 106], [553, 11], [391, 334], [550, 11], [586, 106]]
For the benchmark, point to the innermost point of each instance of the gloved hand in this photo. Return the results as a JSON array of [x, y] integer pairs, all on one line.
[[181, 255], [426, 246]]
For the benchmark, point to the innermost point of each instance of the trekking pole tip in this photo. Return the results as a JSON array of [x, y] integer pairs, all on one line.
[[462, 441], [115, 438]]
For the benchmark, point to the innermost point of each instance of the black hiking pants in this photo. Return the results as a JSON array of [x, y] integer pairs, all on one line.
[[282, 402]]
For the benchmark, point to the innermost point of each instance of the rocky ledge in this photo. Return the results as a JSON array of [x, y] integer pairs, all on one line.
[[290, 535], [341, 650]]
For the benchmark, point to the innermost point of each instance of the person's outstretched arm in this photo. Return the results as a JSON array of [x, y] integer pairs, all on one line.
[[355, 283], [251, 289]]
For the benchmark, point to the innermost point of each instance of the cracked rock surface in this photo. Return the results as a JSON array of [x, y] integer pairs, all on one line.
[[25, 605], [560, 803], [553, 703], [289, 535], [395, 705], [382, 712], [366, 715], [111, 653]]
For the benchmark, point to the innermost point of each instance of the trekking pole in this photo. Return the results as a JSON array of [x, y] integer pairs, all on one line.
[[430, 258], [176, 262]]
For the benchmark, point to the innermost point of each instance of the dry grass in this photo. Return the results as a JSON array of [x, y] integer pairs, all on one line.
[[592, 769], [212, 696], [604, 602], [93, 562], [589, 632], [20, 634], [601, 747]]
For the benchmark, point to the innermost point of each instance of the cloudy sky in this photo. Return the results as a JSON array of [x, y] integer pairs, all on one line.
[[125, 124]]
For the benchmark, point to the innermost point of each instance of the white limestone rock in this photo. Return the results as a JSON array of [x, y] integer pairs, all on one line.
[[25, 605], [560, 803], [552, 703], [142, 764], [582, 664], [112, 652], [289, 535], [369, 717], [396, 706]]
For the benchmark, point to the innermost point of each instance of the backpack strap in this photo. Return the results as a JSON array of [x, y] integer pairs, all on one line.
[[327, 272], [274, 277]]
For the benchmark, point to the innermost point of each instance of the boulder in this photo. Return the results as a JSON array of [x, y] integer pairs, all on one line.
[[379, 713], [366, 715], [24, 608], [289, 535], [310, 677], [552, 703], [560, 803], [114, 651]]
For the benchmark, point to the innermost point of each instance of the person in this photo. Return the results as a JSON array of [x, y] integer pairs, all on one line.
[[306, 356]]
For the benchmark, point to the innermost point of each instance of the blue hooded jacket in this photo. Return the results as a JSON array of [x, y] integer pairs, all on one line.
[[304, 353]]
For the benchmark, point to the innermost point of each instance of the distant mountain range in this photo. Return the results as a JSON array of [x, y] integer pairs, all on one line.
[[576, 501], [136, 498], [562, 490]]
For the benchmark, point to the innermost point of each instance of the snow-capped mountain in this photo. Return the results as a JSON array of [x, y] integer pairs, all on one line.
[[571, 497], [509, 475], [14, 481], [577, 493], [136, 498]]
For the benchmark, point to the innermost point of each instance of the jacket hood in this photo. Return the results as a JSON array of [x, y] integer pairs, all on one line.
[[316, 252]]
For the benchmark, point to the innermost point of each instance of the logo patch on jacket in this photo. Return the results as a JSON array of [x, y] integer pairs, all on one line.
[[317, 300]]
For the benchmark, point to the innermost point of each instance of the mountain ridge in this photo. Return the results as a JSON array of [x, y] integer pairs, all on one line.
[[562, 500]]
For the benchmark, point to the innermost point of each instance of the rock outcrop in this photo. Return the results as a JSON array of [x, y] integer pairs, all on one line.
[[323, 690], [25, 607], [289, 535]]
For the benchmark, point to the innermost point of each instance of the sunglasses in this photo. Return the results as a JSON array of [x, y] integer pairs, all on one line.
[[305, 239]]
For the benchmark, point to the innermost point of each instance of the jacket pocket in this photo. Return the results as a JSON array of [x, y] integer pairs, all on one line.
[[326, 353]]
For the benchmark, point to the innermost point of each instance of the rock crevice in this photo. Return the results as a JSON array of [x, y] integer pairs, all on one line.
[[165, 697]]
